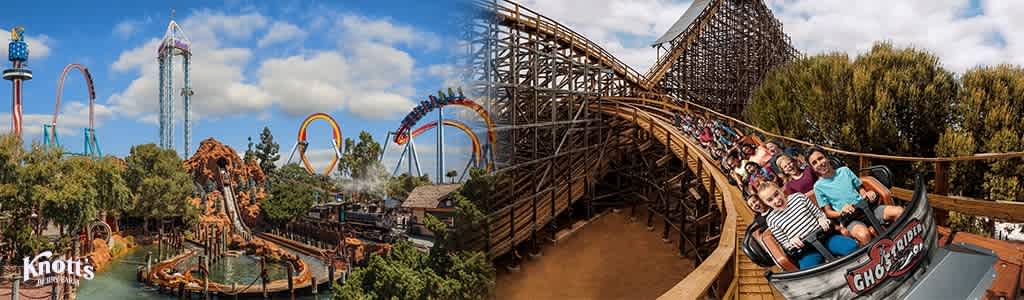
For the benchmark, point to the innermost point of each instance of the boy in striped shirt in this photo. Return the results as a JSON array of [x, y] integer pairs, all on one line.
[[793, 218]]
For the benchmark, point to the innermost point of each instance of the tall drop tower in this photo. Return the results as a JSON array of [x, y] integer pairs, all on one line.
[[17, 53], [175, 43]]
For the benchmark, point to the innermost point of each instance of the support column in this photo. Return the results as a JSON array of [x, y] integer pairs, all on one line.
[[15, 288], [187, 98], [941, 188], [440, 144]]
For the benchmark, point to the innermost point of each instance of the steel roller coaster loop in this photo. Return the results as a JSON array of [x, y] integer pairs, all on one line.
[[50, 136], [302, 142], [477, 148], [403, 133]]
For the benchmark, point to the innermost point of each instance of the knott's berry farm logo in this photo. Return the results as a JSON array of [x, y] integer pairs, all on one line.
[[59, 270], [889, 258]]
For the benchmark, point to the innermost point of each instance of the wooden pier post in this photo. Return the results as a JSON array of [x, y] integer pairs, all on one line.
[[291, 286], [223, 244], [181, 290], [205, 270], [263, 275], [149, 265], [314, 284], [330, 276], [160, 247]]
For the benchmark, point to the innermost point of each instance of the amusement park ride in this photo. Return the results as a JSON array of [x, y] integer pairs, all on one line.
[[175, 43], [580, 115], [50, 136], [302, 143], [481, 156], [18, 53]]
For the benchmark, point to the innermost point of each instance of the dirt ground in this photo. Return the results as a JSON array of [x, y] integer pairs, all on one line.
[[609, 258]]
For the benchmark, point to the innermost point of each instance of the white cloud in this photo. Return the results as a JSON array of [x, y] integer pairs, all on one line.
[[361, 29], [73, 117], [961, 35], [306, 84], [366, 74], [449, 73], [39, 47], [609, 23], [130, 27], [941, 27], [281, 32], [217, 72]]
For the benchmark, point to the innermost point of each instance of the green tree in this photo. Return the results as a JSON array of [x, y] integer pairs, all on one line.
[[114, 196], [71, 195], [38, 168], [446, 272], [399, 187], [249, 153], [987, 114], [481, 189], [451, 174], [886, 101], [267, 151], [292, 194], [800, 99], [360, 159], [10, 160], [159, 184], [453, 269], [20, 197]]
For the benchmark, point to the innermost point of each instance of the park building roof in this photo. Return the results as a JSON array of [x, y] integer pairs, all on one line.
[[429, 196], [684, 21]]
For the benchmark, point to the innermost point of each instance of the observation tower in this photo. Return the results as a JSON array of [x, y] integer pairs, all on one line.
[[17, 53]]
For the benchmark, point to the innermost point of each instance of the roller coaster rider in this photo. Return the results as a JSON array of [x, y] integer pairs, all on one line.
[[841, 188], [797, 224]]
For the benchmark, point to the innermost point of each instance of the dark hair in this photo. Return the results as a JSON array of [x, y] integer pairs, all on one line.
[[815, 149], [752, 163]]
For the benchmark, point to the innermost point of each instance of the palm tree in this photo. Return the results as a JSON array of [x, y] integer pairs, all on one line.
[[451, 175]]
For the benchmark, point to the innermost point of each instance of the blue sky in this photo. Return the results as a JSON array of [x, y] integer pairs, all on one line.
[[255, 64]]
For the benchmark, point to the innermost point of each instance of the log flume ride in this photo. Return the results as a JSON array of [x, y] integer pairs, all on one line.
[[567, 99]]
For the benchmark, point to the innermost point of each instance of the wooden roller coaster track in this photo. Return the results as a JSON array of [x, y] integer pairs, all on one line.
[[567, 108]]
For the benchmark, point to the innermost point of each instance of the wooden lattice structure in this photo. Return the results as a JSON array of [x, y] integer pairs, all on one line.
[[718, 52], [537, 77], [577, 128], [541, 81]]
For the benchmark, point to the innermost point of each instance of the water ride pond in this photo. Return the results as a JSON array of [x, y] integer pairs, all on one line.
[[118, 281]]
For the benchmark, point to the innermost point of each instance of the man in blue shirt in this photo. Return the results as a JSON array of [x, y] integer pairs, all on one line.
[[838, 190]]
